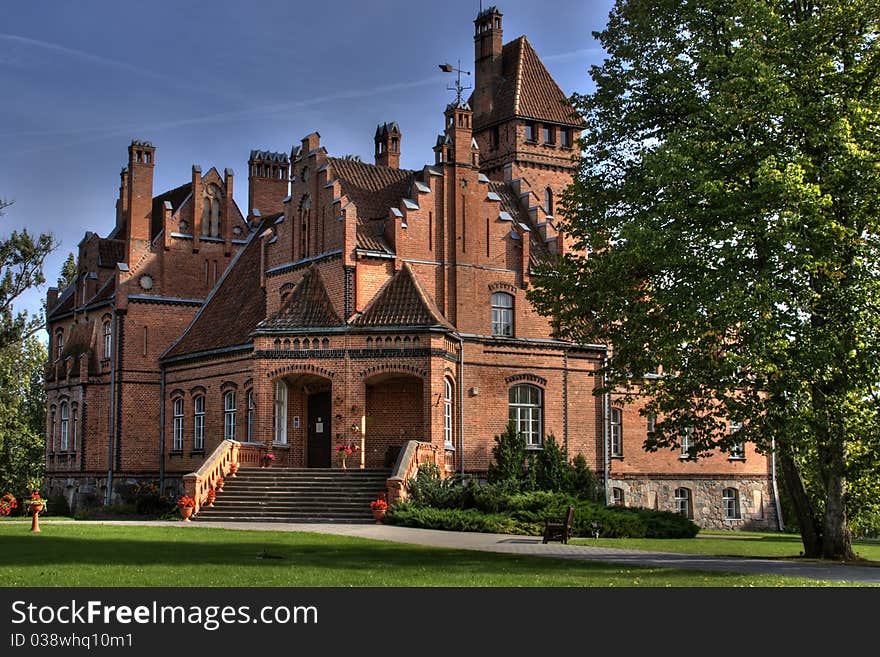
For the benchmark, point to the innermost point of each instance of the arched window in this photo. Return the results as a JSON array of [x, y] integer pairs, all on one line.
[[250, 416], [108, 337], [65, 420], [177, 442], [211, 211], [548, 201], [616, 432], [74, 415], [730, 499], [617, 497], [229, 415], [684, 502], [525, 406], [54, 429], [502, 314], [280, 415], [59, 344], [447, 413], [199, 422]]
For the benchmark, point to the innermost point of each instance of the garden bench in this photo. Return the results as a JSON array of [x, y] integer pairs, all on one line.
[[560, 531]]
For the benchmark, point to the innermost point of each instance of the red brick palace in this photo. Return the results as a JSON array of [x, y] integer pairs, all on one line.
[[354, 303]]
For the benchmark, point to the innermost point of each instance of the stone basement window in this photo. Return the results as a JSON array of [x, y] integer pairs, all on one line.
[[730, 499], [684, 502], [617, 497]]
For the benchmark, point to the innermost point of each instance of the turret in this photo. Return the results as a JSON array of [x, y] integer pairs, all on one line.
[[388, 145]]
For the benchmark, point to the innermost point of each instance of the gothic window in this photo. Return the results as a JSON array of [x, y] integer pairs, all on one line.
[[447, 412], [199, 422], [211, 211], [65, 422], [548, 201], [502, 314], [54, 425], [108, 338], [525, 411], [74, 417], [177, 444], [305, 207], [280, 415], [229, 415], [59, 344]]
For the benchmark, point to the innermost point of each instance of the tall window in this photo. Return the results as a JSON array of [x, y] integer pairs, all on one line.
[[250, 416], [108, 338], [565, 138], [730, 499], [54, 429], [687, 442], [59, 344], [280, 416], [177, 443], [548, 201], [737, 449], [683, 502], [64, 425], [617, 497], [525, 411], [199, 422], [547, 133], [502, 314], [530, 131], [211, 211], [447, 412], [74, 414], [616, 432], [229, 415], [651, 424]]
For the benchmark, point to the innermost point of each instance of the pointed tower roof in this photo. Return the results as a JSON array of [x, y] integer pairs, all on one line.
[[402, 301], [308, 305], [526, 90]]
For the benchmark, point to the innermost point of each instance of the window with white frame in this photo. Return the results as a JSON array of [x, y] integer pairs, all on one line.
[[177, 410], [730, 500], [525, 405], [738, 449], [617, 497], [687, 442], [616, 432], [199, 422], [229, 415], [651, 424], [250, 416], [280, 415], [108, 338], [683, 502], [447, 412], [65, 420], [502, 314]]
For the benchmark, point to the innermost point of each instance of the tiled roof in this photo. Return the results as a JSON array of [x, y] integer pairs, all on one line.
[[538, 251], [105, 291], [233, 308], [308, 305], [110, 252], [402, 301], [526, 90], [65, 301], [79, 341], [268, 156], [373, 189], [369, 236]]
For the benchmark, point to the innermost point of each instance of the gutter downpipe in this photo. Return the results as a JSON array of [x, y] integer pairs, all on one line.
[[461, 405], [162, 429], [779, 522], [606, 413], [113, 411]]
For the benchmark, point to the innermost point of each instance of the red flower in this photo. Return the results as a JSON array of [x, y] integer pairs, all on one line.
[[186, 500]]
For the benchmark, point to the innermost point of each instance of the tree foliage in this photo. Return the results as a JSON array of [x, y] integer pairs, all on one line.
[[21, 268], [729, 197], [22, 415], [68, 272]]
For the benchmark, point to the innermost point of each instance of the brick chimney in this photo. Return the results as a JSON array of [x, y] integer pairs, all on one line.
[[388, 145], [268, 178], [487, 59], [141, 158]]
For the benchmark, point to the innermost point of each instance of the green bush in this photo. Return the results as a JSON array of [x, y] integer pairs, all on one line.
[[427, 488], [462, 520], [148, 501], [552, 471], [509, 457], [584, 482]]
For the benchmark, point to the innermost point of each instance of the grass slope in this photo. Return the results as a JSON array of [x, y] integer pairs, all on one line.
[[101, 555]]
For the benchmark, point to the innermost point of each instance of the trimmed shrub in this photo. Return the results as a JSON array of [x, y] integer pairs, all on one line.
[[552, 471], [584, 482], [428, 489], [462, 520]]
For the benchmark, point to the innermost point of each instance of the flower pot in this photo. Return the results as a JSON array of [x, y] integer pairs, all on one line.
[[378, 515], [186, 512], [35, 510], [233, 468], [219, 486]]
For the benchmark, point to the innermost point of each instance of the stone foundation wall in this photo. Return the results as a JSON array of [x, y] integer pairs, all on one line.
[[757, 509], [90, 491]]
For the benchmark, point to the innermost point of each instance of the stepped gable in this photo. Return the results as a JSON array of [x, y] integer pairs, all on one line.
[[526, 90], [401, 301], [538, 251], [372, 188], [233, 308], [308, 305], [370, 237]]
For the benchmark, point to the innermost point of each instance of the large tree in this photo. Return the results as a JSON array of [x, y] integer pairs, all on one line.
[[729, 199]]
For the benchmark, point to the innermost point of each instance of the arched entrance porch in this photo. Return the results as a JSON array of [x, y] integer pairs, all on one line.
[[394, 414]]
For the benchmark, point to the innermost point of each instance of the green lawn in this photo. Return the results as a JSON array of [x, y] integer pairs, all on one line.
[[729, 544], [101, 555]]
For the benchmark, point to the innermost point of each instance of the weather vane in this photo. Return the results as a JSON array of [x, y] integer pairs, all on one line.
[[458, 88]]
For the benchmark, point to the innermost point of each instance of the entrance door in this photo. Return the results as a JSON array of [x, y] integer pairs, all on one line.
[[319, 430]]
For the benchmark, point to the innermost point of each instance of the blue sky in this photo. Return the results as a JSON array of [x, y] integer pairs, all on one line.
[[208, 82]]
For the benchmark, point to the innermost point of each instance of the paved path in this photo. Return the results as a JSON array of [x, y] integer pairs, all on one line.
[[532, 546]]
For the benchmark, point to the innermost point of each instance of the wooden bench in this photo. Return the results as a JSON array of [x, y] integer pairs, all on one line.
[[560, 531]]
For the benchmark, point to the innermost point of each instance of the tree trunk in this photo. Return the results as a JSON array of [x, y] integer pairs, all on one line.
[[810, 533], [836, 539]]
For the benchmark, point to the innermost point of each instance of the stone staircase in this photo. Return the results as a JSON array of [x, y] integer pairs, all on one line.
[[297, 495]]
